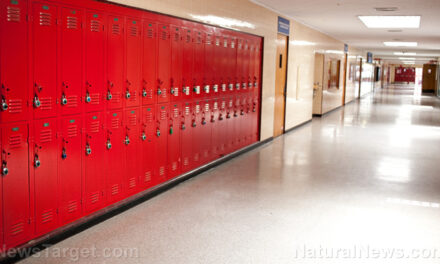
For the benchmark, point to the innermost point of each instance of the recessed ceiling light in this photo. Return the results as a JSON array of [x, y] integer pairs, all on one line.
[[391, 21], [406, 59], [408, 62], [405, 53], [400, 44], [386, 9]]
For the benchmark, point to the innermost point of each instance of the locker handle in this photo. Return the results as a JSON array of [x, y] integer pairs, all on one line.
[[143, 137], [109, 95], [157, 132], [5, 170], [109, 144], [88, 98], [37, 162], [127, 94], [203, 121], [63, 154], [183, 126], [127, 140], [88, 150], [212, 119], [171, 130], [144, 93], [63, 99], [37, 102], [159, 91], [4, 105], [194, 124]]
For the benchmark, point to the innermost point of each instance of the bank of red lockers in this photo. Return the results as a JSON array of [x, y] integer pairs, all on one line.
[[100, 102]]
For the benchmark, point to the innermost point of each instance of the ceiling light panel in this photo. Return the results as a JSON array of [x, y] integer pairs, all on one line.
[[405, 53], [391, 21], [400, 44]]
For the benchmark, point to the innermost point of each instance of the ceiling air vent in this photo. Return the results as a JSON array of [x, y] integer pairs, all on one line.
[[386, 9]]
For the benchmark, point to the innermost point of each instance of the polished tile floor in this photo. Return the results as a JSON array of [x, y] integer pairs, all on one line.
[[359, 185]]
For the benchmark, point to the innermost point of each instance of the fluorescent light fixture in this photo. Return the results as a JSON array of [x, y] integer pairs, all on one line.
[[405, 53], [334, 52], [302, 43], [409, 62], [391, 21], [400, 44], [223, 21], [406, 59]]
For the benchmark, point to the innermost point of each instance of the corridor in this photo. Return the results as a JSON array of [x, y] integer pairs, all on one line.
[[364, 176]]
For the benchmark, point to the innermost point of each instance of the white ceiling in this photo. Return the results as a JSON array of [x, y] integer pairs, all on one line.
[[338, 18]]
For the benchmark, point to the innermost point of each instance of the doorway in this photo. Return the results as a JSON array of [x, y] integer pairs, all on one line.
[[280, 85]]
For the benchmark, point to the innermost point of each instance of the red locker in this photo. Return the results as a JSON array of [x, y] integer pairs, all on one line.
[[176, 63], [15, 183], [187, 60], [132, 149], [198, 63], [222, 127], [232, 65], [237, 123], [149, 63], [205, 128], [14, 65], [255, 120], [94, 147], [94, 61], [208, 79], [69, 168], [215, 131], [134, 62], [239, 65], [246, 80], [217, 76], [45, 175], [196, 134], [115, 62], [252, 73], [148, 138], [115, 156], [160, 153], [230, 113], [44, 50], [163, 63], [223, 64], [186, 137], [257, 70], [70, 61], [174, 141], [1, 205]]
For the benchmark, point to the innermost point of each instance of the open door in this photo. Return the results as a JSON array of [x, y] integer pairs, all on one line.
[[280, 85]]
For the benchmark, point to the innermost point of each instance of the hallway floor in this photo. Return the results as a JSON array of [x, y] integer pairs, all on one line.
[[359, 185]]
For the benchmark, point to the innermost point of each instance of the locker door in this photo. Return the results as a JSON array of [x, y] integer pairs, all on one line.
[[251, 66], [94, 61], [148, 138], [15, 177], [255, 119], [217, 76], [160, 164], [45, 176], [44, 49], [245, 71], [224, 66], [197, 134], [1, 204], [132, 151], [237, 123], [231, 124], [209, 61], [134, 62], [149, 63], [187, 66], [14, 65], [94, 145], [257, 69], [115, 62], [115, 156], [174, 141], [222, 127], [232, 65], [186, 136], [239, 65], [69, 168], [198, 63], [215, 134], [70, 61], [206, 132], [176, 63], [163, 63]]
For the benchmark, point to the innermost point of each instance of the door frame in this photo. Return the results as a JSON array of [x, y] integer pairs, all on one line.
[[285, 84]]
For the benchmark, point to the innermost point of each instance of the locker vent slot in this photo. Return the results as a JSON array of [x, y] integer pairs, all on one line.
[[47, 216], [163, 115], [147, 176], [188, 38], [223, 105], [116, 29], [162, 171], [72, 101], [150, 33], [94, 197], [176, 36], [95, 25], [94, 127], [132, 183], [233, 44], [45, 19], [186, 161], [197, 109], [225, 43], [95, 98], [45, 135], [72, 131], [72, 206], [206, 107], [15, 141], [72, 22], [217, 42], [149, 117], [115, 123], [133, 97], [115, 189], [116, 97], [134, 32], [13, 14], [46, 103], [187, 110], [15, 106], [176, 91], [174, 166], [215, 105], [208, 40], [17, 228], [164, 35], [132, 120], [199, 40], [176, 112]]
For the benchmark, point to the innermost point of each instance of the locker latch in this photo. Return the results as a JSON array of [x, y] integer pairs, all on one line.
[[109, 95], [231, 87], [184, 90], [237, 86], [127, 94], [171, 130], [212, 119], [206, 88], [37, 102], [109, 144], [220, 117], [37, 162], [194, 124], [183, 126], [215, 88], [235, 114], [243, 85], [224, 87], [63, 154], [4, 105], [158, 132], [172, 90], [242, 112], [143, 137], [144, 93], [5, 170], [159, 91], [88, 150], [203, 121], [228, 116], [250, 85], [63, 99], [88, 98], [196, 89], [255, 84], [127, 140]]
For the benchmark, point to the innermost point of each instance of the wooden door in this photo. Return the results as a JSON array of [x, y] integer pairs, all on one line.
[[429, 78], [318, 84], [280, 85]]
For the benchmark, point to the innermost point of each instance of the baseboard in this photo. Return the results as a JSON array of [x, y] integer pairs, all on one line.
[[297, 126], [86, 222]]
